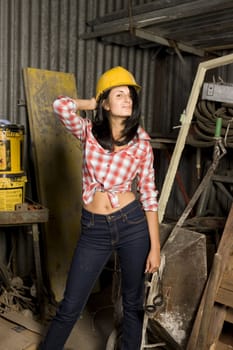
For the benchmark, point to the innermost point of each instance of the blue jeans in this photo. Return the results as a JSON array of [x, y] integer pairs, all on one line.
[[125, 231]]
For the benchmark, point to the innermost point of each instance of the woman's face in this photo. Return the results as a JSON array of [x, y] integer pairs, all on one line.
[[119, 102]]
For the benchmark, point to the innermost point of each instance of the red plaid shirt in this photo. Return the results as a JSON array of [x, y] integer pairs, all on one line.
[[112, 172]]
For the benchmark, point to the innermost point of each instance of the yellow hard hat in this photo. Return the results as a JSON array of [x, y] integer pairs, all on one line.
[[116, 76]]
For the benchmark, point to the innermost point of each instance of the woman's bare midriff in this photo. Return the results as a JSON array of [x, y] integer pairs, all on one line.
[[101, 203]]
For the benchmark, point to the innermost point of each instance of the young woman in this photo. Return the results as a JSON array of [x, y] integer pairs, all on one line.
[[116, 152]]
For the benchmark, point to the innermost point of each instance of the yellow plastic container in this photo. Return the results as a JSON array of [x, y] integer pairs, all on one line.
[[11, 148], [12, 191]]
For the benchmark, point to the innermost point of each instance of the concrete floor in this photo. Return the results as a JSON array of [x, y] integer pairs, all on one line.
[[95, 325], [92, 330]]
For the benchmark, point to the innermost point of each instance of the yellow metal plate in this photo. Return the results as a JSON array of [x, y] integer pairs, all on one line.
[[57, 157]]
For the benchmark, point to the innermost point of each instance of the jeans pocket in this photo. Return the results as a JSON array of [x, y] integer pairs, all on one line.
[[86, 223], [136, 217]]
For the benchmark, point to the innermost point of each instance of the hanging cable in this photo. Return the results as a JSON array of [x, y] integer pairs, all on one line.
[[205, 117]]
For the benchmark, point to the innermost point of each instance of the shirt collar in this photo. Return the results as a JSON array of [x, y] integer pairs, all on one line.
[[142, 134]]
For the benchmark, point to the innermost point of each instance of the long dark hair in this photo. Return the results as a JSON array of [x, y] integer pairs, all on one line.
[[101, 128]]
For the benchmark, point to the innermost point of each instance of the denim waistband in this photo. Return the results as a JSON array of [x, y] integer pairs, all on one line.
[[115, 215]]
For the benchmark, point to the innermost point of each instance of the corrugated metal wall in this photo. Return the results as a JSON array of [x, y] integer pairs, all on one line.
[[45, 34]]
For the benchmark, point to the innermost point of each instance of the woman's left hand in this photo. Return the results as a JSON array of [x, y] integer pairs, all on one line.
[[153, 261]]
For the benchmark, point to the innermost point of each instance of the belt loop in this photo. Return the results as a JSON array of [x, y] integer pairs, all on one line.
[[92, 219], [123, 216]]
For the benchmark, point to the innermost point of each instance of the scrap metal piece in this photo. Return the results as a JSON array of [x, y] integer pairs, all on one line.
[[218, 92], [184, 278]]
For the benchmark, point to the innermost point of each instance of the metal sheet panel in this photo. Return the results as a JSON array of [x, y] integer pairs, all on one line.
[[58, 159], [183, 282]]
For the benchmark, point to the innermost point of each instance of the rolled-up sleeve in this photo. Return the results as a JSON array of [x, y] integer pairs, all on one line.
[[146, 181], [66, 109]]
